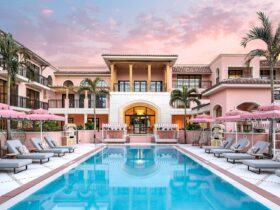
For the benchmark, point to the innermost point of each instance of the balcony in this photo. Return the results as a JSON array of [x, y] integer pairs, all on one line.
[[23, 102], [101, 103], [201, 84], [140, 87], [36, 77]]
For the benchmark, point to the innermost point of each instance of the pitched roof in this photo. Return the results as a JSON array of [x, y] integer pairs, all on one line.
[[191, 69], [264, 64], [242, 81]]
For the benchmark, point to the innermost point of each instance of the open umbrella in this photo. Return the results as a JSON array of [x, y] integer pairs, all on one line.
[[232, 116], [7, 113], [268, 112], [43, 115]]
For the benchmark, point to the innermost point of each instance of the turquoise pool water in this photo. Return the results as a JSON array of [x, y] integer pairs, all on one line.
[[120, 178]]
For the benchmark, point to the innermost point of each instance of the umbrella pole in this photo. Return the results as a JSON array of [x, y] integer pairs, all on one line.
[[273, 137], [235, 127], [252, 139], [41, 130]]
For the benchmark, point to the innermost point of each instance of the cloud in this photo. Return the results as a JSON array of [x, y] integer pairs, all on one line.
[[47, 12]]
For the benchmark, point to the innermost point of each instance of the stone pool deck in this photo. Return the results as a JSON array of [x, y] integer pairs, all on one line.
[[13, 184], [266, 184]]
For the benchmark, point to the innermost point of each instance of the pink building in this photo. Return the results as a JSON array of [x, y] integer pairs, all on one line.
[[140, 87]]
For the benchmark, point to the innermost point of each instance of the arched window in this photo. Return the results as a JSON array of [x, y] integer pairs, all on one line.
[[84, 83], [217, 111], [68, 83], [102, 83], [50, 80]]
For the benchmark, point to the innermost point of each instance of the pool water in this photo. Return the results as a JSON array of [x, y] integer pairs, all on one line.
[[120, 178]]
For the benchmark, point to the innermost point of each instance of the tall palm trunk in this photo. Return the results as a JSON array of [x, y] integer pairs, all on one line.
[[185, 129], [8, 102], [94, 114]]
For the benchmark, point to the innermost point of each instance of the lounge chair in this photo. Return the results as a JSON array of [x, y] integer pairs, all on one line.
[[237, 147], [36, 142], [15, 164], [53, 144], [13, 146], [263, 164], [226, 145], [257, 150]]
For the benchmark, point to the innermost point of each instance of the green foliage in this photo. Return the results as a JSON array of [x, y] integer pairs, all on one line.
[[89, 126], [80, 127], [193, 126], [36, 126]]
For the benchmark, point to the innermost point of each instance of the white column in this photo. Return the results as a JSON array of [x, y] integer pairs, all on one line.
[[66, 118], [85, 119]]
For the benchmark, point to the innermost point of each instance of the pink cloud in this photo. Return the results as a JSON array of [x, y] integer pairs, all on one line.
[[47, 11]]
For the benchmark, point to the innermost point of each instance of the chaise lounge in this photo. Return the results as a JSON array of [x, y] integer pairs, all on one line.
[[13, 146], [15, 164], [226, 145], [256, 151], [237, 147], [262, 164], [53, 144], [36, 142]]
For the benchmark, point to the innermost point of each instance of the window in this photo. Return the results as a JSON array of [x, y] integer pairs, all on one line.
[[84, 83], [156, 86], [101, 101], [33, 99], [68, 83], [140, 86], [265, 74], [50, 81], [232, 74], [190, 81], [101, 83], [123, 86], [70, 120]]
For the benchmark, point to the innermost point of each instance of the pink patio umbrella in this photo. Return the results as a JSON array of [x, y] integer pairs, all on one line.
[[232, 116], [202, 118], [267, 112], [43, 115]]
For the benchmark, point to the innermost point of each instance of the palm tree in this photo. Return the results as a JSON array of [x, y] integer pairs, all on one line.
[[92, 87], [11, 52], [184, 96], [271, 38]]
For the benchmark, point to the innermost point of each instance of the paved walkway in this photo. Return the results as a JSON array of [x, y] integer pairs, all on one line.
[[267, 180], [10, 181]]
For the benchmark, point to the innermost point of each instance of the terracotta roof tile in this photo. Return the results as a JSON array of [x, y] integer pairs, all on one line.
[[264, 64]]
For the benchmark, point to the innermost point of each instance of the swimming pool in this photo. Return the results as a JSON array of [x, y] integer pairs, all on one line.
[[139, 177]]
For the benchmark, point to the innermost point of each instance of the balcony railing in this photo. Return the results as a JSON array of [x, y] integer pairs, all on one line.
[[56, 103], [202, 84], [20, 101], [139, 87], [36, 77]]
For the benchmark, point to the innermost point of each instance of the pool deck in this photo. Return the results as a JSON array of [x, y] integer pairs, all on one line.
[[266, 184], [14, 184]]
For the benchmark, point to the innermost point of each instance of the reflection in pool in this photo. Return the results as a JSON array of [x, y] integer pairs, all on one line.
[[139, 178]]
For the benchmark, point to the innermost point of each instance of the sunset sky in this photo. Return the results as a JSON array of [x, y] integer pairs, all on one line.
[[77, 32]]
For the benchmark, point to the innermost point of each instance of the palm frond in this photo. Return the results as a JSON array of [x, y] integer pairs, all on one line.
[[263, 32], [255, 53], [192, 91], [173, 100]]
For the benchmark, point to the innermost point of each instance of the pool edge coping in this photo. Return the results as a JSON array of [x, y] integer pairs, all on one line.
[[32, 186], [257, 193]]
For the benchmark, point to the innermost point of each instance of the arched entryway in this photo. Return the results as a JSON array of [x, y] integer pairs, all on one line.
[[217, 111], [140, 118]]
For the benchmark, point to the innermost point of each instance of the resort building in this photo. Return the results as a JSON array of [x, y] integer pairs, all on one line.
[[139, 88]]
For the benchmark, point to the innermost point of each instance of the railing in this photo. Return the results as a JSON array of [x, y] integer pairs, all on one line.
[[202, 84], [99, 104], [77, 103], [139, 88], [36, 77], [56, 103], [20, 101]]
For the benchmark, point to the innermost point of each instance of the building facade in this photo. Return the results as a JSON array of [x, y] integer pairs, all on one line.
[[139, 88]]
